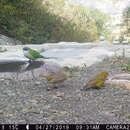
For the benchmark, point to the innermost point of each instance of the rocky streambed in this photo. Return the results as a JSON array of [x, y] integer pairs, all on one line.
[[26, 100]]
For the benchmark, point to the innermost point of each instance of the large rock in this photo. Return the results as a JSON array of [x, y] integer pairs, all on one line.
[[21, 70], [68, 54], [120, 80], [8, 41]]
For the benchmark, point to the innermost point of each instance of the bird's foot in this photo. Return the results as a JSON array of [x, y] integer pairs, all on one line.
[[52, 88], [49, 89]]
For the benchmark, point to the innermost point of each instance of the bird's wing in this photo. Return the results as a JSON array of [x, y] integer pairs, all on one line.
[[34, 53], [48, 77], [95, 83], [99, 77], [59, 77]]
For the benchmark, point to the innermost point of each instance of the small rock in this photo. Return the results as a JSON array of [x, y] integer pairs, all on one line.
[[2, 79], [35, 111], [3, 49], [37, 83], [1, 112], [60, 95], [63, 113]]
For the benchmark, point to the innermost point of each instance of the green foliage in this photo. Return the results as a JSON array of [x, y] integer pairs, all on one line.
[[26, 20], [126, 22], [125, 67], [36, 21], [128, 116], [100, 18], [121, 38], [81, 24]]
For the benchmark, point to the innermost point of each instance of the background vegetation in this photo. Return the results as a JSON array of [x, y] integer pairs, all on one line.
[[126, 22], [37, 21]]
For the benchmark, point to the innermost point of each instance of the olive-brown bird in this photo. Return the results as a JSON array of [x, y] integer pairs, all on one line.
[[55, 78], [97, 82], [54, 73]]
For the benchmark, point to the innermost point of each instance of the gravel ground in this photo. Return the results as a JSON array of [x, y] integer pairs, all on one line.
[[28, 101]]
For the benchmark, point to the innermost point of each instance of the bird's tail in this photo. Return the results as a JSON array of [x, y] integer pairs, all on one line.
[[43, 57], [47, 57]]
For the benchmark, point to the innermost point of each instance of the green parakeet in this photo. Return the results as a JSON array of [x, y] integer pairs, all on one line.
[[32, 54]]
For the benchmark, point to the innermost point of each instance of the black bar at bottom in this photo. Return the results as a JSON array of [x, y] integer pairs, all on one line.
[[65, 127]]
